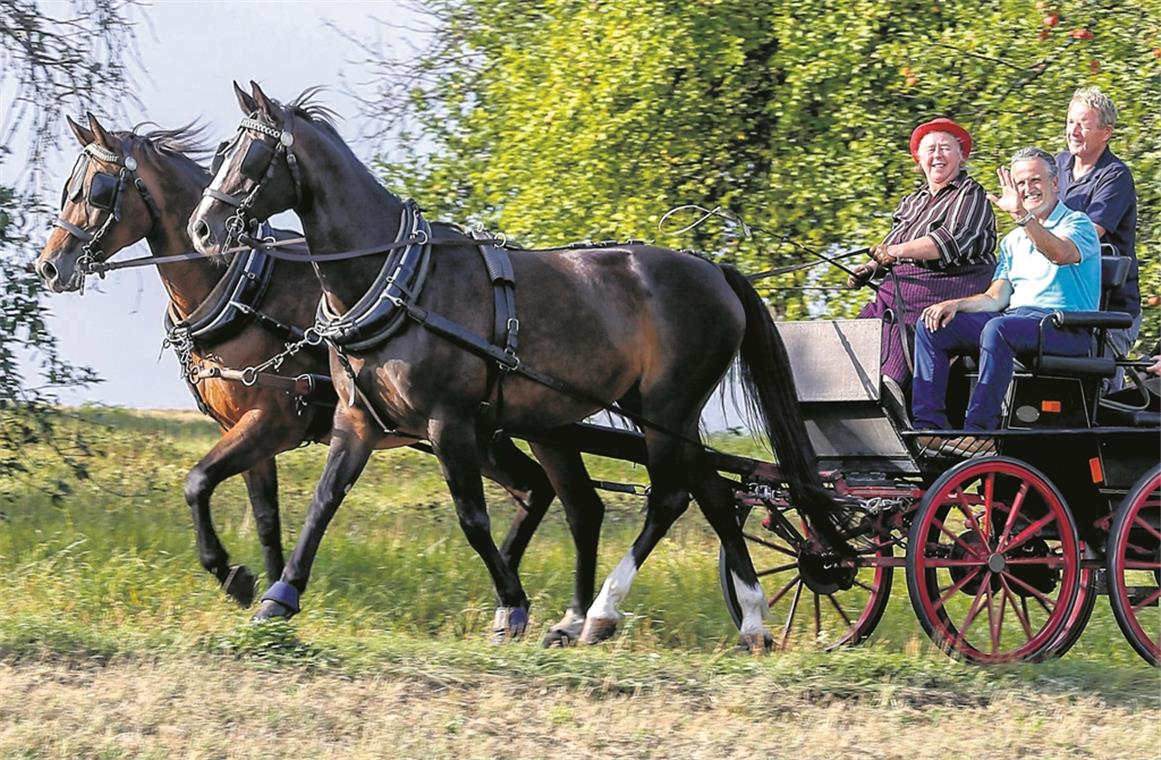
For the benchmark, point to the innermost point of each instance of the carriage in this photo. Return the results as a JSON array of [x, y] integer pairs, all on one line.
[[1005, 554]]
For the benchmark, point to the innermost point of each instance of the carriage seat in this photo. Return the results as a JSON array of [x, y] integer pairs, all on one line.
[[1114, 272]]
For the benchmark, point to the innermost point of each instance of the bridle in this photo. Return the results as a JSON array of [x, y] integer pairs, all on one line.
[[105, 194], [258, 165]]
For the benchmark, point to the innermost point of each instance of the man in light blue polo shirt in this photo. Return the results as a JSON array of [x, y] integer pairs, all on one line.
[[1050, 261]]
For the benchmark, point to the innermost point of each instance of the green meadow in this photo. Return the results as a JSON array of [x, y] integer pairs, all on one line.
[[106, 580]]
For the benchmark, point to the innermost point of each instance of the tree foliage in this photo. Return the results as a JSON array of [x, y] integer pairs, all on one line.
[[75, 57], [558, 120]]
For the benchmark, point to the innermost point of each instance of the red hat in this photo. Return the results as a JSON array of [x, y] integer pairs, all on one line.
[[941, 125]]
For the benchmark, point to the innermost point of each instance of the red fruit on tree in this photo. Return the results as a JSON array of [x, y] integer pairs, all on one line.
[[1044, 34], [1051, 20], [911, 81], [1081, 34], [1094, 65]]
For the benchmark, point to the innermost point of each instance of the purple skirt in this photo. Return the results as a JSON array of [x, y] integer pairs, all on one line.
[[904, 294]]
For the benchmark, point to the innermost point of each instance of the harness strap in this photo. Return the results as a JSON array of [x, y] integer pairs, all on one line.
[[505, 332], [468, 340]]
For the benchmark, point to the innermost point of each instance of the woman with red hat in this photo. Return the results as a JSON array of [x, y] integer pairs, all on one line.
[[941, 244]]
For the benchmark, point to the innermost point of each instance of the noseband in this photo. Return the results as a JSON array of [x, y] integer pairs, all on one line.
[[258, 166], [105, 194]]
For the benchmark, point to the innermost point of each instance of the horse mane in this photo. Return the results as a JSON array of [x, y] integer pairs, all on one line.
[[306, 105], [188, 140]]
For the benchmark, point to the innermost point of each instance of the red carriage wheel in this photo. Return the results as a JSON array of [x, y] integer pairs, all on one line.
[[993, 562], [1134, 552], [814, 602], [1081, 612]]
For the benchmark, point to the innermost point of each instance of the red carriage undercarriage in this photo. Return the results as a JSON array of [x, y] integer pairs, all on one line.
[[1004, 555]]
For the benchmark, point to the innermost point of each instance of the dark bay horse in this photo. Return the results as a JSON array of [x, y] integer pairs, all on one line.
[[649, 328], [257, 422]]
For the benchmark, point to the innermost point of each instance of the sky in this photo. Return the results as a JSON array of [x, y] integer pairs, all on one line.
[[116, 326]]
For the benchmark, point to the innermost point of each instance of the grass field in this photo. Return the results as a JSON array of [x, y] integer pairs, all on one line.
[[114, 642]]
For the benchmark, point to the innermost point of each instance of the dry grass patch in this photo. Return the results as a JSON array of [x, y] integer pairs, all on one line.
[[206, 707]]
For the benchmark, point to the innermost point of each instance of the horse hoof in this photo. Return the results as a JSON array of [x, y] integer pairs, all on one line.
[[755, 643], [597, 630], [509, 624], [240, 585], [565, 632], [272, 610]]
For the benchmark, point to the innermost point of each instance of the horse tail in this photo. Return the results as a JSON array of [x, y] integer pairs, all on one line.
[[768, 387]]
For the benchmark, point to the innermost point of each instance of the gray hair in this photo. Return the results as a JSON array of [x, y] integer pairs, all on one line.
[[1032, 154], [1094, 98]]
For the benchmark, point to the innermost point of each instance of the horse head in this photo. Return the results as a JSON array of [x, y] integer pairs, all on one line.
[[256, 174], [100, 211]]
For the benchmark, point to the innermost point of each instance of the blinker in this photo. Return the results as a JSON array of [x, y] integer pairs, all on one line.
[[76, 181], [103, 191], [219, 157], [257, 160]]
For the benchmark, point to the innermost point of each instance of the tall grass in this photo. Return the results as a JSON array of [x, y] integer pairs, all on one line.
[[113, 568]]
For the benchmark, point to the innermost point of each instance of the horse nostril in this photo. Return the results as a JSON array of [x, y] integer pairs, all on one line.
[[46, 271], [201, 231]]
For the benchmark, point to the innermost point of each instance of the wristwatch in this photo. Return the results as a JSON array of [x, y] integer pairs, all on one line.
[[1025, 219]]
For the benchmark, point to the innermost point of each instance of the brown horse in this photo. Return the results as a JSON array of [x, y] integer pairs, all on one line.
[[127, 187], [651, 329]]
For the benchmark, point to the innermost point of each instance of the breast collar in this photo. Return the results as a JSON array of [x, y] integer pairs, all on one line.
[[380, 313], [231, 303]]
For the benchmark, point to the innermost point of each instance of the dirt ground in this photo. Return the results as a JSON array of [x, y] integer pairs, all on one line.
[[205, 708]]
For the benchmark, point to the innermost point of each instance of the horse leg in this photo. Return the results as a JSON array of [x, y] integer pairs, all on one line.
[[262, 485], [585, 511], [352, 442], [715, 498], [668, 499], [239, 449], [456, 446], [528, 484]]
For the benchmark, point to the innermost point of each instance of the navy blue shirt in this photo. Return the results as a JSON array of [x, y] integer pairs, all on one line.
[[1108, 196]]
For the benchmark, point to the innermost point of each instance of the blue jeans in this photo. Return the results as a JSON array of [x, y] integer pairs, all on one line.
[[999, 337]]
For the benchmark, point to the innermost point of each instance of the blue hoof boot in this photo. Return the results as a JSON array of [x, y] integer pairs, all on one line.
[[509, 624], [279, 601]]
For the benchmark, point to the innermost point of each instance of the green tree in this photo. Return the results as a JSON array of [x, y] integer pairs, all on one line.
[[49, 62], [559, 119]]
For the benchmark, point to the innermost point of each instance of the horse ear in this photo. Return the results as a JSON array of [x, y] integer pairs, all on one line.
[[264, 103], [84, 136], [100, 136], [245, 102]]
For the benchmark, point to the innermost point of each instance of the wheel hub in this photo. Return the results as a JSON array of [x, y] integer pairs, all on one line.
[[825, 573]]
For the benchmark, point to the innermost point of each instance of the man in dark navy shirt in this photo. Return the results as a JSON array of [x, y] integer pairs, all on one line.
[[1095, 181]]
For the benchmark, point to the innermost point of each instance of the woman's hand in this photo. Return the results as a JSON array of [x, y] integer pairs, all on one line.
[[861, 275]]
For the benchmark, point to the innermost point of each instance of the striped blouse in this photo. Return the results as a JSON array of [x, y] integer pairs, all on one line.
[[958, 218]]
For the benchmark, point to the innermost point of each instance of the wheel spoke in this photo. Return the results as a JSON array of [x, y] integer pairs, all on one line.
[[973, 523], [954, 589], [974, 611], [1017, 505], [980, 562], [1036, 593], [770, 545], [1053, 561], [790, 616], [1139, 522], [971, 550], [1020, 611], [1131, 564], [864, 586], [1148, 601], [778, 569], [817, 617], [837, 608], [782, 592], [989, 500], [1027, 533], [995, 619]]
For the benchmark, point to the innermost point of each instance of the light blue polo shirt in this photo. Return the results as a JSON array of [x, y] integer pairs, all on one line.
[[1038, 282]]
